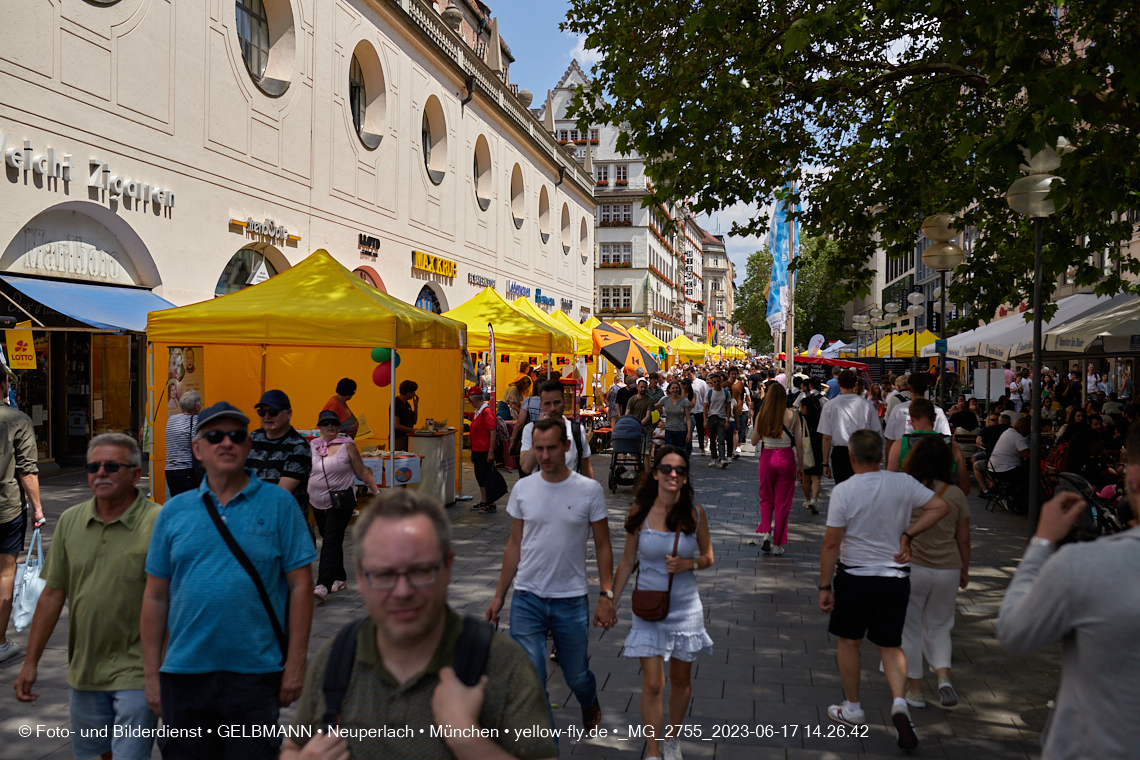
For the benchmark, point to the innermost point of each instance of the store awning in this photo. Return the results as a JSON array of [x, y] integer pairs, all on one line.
[[102, 306], [1111, 331]]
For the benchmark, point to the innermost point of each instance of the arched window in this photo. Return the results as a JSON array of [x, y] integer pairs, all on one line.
[[248, 266], [253, 31], [427, 300], [357, 96]]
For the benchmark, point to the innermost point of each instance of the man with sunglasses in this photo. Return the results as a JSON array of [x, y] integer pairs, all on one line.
[[278, 454], [96, 564], [19, 479], [225, 664]]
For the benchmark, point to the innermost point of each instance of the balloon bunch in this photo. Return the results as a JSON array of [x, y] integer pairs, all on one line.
[[386, 362]]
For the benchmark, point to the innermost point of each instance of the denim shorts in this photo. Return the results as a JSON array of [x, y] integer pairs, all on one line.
[[95, 716]]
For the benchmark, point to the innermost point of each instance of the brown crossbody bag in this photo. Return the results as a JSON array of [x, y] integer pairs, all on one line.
[[653, 606]]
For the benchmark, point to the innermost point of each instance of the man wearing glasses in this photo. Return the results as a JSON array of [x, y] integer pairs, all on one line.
[[225, 665], [402, 673], [278, 453], [96, 565]]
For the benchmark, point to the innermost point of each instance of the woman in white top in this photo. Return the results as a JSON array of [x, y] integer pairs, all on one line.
[[781, 465]]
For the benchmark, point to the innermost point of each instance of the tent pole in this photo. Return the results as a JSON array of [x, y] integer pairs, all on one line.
[[392, 423]]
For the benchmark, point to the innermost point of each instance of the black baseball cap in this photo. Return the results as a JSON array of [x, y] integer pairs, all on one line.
[[276, 400], [220, 410], [328, 417]]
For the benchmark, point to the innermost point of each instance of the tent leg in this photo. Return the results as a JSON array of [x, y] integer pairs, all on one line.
[[392, 425]]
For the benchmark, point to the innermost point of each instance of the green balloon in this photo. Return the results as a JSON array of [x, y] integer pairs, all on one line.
[[381, 355]]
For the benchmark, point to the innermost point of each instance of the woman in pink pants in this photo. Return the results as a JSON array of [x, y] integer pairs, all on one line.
[[779, 433]]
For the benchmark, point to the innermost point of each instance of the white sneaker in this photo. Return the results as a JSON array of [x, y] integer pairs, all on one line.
[[765, 542], [713, 462], [900, 717], [9, 650], [723, 463], [915, 700], [672, 750], [777, 551], [843, 715]]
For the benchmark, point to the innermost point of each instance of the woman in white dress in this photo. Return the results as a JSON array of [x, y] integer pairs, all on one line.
[[663, 506]]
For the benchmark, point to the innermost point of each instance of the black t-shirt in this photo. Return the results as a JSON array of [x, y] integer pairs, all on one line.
[[405, 416], [288, 456], [990, 435], [964, 419], [622, 398]]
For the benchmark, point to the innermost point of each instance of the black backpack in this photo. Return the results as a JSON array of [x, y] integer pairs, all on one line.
[[471, 654]]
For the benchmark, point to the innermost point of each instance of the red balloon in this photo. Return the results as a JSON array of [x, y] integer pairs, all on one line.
[[382, 375]]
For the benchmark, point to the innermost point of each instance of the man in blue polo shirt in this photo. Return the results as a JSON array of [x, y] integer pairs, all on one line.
[[231, 660]]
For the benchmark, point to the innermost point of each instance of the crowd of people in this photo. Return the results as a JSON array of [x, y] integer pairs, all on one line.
[[144, 584]]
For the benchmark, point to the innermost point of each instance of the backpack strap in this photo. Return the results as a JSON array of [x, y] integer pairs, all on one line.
[[338, 670], [471, 654], [473, 649], [576, 432]]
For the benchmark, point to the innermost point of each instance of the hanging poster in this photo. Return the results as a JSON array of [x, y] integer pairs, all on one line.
[[184, 373]]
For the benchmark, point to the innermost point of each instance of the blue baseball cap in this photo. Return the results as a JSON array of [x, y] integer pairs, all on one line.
[[276, 400], [221, 410]]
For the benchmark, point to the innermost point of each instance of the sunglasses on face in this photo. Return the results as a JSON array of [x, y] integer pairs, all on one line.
[[328, 424], [110, 467], [266, 411], [214, 437], [670, 469]]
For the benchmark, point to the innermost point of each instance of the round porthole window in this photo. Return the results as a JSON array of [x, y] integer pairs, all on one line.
[[434, 140], [584, 242], [268, 42], [566, 229]]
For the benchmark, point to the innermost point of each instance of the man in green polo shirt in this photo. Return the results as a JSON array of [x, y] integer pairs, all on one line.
[[97, 563], [403, 682]]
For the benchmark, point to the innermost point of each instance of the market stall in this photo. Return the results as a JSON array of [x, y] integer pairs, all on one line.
[[901, 345], [688, 350], [300, 332]]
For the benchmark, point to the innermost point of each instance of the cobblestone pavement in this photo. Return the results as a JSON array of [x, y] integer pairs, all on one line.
[[773, 663]]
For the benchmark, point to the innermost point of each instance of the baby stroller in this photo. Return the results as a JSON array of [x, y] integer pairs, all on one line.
[[626, 462]]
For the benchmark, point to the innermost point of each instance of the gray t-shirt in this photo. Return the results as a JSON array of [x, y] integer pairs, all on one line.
[[676, 414]]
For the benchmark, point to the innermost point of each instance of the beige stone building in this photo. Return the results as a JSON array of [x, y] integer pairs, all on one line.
[[185, 150]]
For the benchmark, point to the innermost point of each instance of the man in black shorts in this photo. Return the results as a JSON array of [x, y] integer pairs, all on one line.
[[867, 533]]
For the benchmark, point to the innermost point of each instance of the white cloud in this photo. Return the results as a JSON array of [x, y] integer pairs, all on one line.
[[585, 56]]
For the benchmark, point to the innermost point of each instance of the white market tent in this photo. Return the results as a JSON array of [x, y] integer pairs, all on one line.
[[832, 351], [1107, 332], [1011, 337]]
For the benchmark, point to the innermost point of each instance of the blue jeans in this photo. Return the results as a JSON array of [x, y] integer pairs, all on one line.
[[678, 438], [568, 620], [97, 713]]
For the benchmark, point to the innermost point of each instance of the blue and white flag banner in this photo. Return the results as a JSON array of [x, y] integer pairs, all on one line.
[[779, 245]]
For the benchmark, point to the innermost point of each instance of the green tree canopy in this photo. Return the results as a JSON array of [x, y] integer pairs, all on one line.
[[884, 112]]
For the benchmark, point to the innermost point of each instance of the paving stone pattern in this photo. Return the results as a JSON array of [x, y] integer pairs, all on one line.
[[773, 662]]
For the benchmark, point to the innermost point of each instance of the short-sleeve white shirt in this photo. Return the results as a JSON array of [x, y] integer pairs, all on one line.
[[557, 516], [1006, 455], [898, 424], [845, 414], [571, 453], [700, 393], [874, 508]]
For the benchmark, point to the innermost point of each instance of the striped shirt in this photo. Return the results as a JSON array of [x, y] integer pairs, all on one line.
[[180, 430]]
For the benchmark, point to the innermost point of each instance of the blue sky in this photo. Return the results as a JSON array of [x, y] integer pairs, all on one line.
[[543, 52]]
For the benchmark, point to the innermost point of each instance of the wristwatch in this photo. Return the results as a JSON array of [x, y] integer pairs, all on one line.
[[1039, 541], [606, 594], [825, 588]]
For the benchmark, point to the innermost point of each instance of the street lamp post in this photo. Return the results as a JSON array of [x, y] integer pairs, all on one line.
[[1029, 196], [915, 310], [942, 256], [892, 310]]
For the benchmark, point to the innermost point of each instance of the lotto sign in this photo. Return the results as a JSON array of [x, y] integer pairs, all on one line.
[[21, 349]]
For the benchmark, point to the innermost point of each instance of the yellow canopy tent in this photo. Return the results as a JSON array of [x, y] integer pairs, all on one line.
[[652, 342], [527, 308], [582, 333], [902, 346], [518, 337], [688, 349], [302, 331], [591, 323]]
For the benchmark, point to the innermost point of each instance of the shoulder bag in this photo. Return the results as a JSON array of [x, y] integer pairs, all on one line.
[[653, 606], [251, 571], [343, 499], [28, 585]]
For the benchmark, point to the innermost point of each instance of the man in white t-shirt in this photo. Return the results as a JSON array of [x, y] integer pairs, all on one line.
[[700, 393], [898, 423], [553, 407], [1011, 450], [840, 418], [554, 515], [867, 535]]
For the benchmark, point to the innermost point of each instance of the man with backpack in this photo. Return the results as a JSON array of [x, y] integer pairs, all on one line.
[[718, 410], [922, 419], [553, 408], [414, 662]]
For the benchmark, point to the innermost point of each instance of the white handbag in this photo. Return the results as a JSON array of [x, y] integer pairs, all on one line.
[[29, 585], [808, 456]]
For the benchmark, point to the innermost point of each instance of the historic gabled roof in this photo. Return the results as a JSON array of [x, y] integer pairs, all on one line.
[[706, 238], [573, 77]]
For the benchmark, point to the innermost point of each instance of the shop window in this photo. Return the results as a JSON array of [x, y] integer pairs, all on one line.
[[428, 301], [247, 267], [627, 297]]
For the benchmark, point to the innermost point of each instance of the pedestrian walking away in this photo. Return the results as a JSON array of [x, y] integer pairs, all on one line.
[[335, 461], [554, 516], [922, 419], [19, 480], [899, 423], [940, 565], [810, 404], [218, 586], [97, 565], [181, 474], [863, 573], [279, 454], [780, 436], [1062, 595], [483, 433], [841, 417], [412, 653], [667, 539]]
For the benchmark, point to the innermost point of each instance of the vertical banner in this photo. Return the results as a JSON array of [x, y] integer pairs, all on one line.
[[779, 245], [492, 362]]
